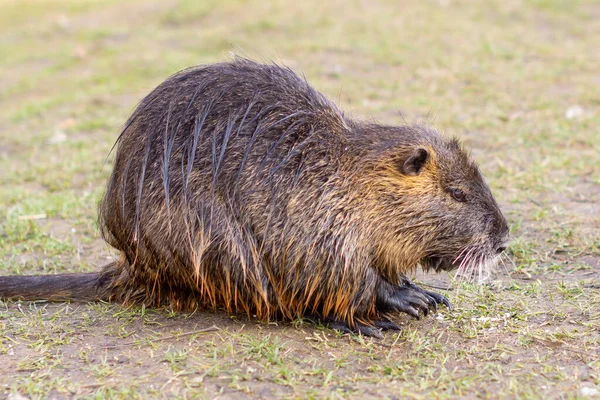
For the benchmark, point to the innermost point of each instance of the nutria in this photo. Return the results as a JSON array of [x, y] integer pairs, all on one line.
[[239, 186]]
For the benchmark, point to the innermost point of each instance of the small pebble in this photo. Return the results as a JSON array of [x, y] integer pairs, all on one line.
[[573, 112], [589, 391]]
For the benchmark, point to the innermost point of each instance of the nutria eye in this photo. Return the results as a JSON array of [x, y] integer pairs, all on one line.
[[458, 195]]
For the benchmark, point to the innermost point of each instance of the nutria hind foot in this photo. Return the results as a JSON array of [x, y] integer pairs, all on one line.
[[373, 330], [408, 298], [362, 329]]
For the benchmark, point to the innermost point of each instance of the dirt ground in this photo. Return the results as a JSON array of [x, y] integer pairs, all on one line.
[[516, 80]]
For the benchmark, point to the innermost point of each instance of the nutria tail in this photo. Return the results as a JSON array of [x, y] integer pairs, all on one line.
[[87, 286]]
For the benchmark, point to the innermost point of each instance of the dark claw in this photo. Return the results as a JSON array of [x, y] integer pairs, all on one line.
[[410, 310], [436, 297], [417, 299], [369, 331], [439, 298], [432, 302], [359, 328], [386, 325], [338, 326]]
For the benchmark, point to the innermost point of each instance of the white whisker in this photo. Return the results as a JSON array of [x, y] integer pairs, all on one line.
[[504, 264], [461, 253]]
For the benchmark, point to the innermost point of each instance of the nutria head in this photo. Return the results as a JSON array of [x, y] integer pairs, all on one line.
[[440, 213]]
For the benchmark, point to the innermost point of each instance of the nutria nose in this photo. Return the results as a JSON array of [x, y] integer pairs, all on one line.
[[500, 249]]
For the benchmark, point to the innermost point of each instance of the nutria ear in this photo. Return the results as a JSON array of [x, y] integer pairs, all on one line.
[[413, 165]]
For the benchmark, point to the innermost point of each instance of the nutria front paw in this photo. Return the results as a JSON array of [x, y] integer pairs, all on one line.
[[436, 297], [409, 299]]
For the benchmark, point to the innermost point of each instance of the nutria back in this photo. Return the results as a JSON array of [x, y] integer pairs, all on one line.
[[239, 186]]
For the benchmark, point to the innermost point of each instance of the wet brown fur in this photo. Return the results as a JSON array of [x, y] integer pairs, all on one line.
[[239, 186]]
